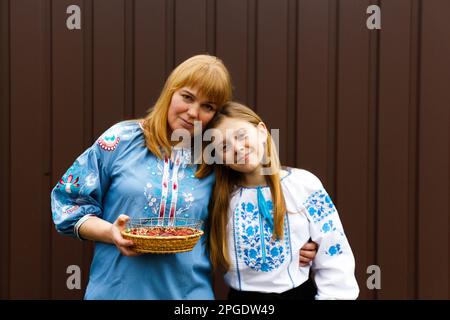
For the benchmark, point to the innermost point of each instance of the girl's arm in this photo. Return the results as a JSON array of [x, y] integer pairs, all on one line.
[[334, 265]]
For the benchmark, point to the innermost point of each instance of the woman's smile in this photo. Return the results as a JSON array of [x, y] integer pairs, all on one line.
[[186, 124]]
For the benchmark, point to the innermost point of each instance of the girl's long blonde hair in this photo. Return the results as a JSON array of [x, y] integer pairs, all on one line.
[[207, 74], [226, 181]]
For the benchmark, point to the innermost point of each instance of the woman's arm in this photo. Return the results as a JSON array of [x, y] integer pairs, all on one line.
[[97, 229]]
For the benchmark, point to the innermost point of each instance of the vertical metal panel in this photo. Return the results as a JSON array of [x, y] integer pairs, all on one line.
[[170, 36], [353, 135], [433, 222], [109, 64], [393, 210], [332, 92], [210, 13], [271, 48], [232, 43], [29, 109], [372, 152], [46, 184], [314, 104], [413, 117], [68, 127], [5, 150], [129, 64], [150, 53], [252, 59], [291, 86], [190, 29]]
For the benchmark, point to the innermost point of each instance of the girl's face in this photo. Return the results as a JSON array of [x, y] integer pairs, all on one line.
[[187, 106], [242, 144]]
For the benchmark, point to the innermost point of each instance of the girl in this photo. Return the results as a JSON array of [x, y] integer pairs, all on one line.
[[262, 215]]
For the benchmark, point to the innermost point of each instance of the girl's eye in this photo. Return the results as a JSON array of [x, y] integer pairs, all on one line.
[[208, 107], [241, 136]]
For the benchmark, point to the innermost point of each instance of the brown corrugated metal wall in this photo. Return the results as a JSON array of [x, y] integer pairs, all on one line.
[[365, 110]]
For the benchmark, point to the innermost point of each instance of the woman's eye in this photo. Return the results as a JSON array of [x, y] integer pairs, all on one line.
[[186, 97], [241, 136]]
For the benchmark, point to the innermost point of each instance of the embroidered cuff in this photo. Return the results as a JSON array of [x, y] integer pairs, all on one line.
[[79, 223]]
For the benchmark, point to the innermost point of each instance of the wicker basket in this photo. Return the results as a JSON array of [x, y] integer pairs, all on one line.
[[163, 244]]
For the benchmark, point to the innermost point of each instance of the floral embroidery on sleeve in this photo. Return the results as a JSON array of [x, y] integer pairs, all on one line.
[[319, 206]]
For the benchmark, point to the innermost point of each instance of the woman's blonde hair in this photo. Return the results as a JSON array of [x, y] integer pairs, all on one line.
[[207, 74], [226, 181]]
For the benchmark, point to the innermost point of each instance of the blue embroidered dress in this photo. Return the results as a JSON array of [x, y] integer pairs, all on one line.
[[259, 263], [119, 175]]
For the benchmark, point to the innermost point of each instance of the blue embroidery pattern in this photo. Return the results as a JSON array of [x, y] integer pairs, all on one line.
[[255, 244], [334, 250], [319, 206], [328, 227]]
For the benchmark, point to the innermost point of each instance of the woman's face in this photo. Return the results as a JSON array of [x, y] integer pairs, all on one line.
[[187, 106], [241, 144]]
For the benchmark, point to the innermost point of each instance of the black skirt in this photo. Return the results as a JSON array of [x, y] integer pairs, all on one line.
[[306, 291]]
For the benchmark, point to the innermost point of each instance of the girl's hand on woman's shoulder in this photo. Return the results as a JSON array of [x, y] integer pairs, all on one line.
[[122, 244]]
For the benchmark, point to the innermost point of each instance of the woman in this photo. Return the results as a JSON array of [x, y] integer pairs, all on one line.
[[134, 171]]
